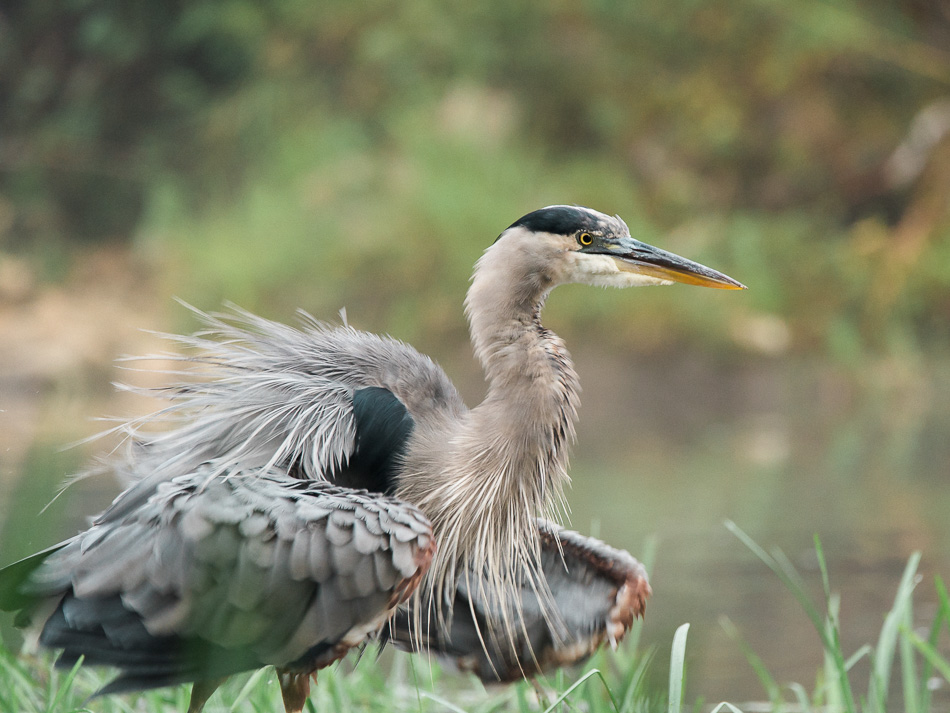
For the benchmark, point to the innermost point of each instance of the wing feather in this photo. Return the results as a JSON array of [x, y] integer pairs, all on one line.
[[598, 591], [365, 542], [244, 590], [300, 555], [385, 570], [178, 574], [320, 568]]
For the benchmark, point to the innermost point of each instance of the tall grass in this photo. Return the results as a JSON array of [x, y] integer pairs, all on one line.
[[836, 691], [613, 684]]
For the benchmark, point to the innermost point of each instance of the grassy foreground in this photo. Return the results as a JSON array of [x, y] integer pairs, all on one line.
[[905, 664], [32, 685]]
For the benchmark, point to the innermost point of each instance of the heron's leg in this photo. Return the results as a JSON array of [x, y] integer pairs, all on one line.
[[294, 687], [200, 693]]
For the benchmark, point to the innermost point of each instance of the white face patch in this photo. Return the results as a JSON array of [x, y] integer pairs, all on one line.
[[605, 271]]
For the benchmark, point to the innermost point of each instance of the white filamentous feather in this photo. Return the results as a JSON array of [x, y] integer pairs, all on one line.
[[256, 393]]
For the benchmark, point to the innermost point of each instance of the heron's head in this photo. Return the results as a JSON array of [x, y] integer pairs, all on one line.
[[576, 244]]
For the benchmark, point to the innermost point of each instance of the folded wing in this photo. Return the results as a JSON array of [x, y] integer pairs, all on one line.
[[213, 575], [598, 591]]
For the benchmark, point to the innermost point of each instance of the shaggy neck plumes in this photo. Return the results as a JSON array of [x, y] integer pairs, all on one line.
[[529, 411], [505, 463]]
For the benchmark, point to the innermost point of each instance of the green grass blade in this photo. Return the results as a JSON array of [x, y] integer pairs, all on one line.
[[249, 687], [590, 674], [610, 693], [801, 696], [521, 697], [832, 639], [415, 681], [826, 627], [832, 691], [823, 566], [865, 650], [18, 684], [772, 689], [725, 706], [931, 654], [838, 667], [442, 702], [942, 615], [909, 681], [678, 668], [65, 686], [943, 598], [787, 574], [887, 641], [635, 684], [833, 634]]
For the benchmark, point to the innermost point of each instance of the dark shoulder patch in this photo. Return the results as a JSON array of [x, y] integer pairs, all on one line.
[[383, 426]]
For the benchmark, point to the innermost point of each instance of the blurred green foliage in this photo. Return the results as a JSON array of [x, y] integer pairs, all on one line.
[[289, 153], [96, 96]]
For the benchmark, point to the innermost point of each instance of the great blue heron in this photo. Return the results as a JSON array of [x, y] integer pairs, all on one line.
[[313, 479]]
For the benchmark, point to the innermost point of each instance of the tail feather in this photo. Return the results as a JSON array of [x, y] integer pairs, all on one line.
[[105, 633]]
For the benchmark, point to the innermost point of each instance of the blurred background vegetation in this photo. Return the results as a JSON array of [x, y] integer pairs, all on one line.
[[276, 153], [287, 153]]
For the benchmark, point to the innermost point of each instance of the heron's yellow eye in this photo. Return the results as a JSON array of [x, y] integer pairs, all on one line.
[[585, 239]]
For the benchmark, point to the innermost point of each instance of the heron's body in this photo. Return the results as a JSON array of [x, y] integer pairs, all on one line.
[[310, 479]]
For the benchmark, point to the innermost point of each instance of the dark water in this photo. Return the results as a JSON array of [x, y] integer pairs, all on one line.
[[669, 450]]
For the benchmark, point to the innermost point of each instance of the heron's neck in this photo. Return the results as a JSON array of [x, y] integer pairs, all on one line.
[[486, 477], [529, 412]]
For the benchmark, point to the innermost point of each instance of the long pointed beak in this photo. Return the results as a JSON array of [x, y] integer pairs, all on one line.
[[634, 256]]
